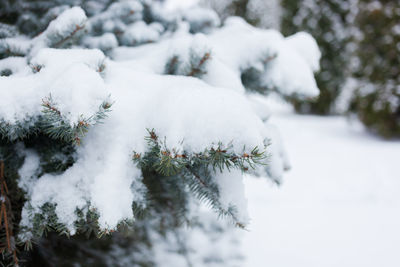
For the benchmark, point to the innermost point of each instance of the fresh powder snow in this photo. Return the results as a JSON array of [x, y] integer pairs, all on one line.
[[191, 114]]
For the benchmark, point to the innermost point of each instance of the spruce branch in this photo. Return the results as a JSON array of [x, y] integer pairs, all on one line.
[[197, 64], [166, 160], [172, 66], [206, 190], [69, 36], [47, 221], [19, 129], [57, 126], [9, 48], [36, 68], [198, 169], [87, 222]]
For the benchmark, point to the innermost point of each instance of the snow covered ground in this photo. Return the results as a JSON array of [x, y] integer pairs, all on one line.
[[338, 206]]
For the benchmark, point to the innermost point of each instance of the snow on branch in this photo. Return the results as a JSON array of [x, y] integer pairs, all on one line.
[[188, 87]]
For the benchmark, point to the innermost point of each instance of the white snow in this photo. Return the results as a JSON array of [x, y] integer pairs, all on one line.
[[105, 42], [67, 21], [338, 206], [116, 16], [307, 47], [191, 114], [232, 193], [19, 44], [69, 76], [14, 64], [179, 4], [66, 24], [139, 33], [278, 58], [142, 101], [201, 19], [27, 172], [213, 243]]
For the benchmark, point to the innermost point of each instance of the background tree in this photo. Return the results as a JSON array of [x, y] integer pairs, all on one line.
[[330, 22], [264, 14], [375, 97]]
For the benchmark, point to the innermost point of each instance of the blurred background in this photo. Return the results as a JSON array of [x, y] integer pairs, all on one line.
[[360, 45], [339, 205]]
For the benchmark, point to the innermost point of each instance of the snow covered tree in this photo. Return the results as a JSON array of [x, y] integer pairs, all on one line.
[[331, 23], [119, 123], [375, 96], [264, 14], [359, 41]]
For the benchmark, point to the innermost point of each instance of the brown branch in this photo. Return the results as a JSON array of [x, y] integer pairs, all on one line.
[[172, 65], [202, 61], [5, 202], [1, 214], [46, 103], [3, 208], [197, 177], [77, 28]]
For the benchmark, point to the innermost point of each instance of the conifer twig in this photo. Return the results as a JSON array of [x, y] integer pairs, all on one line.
[[197, 69], [62, 41]]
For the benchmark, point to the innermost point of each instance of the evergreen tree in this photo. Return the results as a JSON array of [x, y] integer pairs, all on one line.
[[375, 97], [264, 14], [330, 23], [119, 121]]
